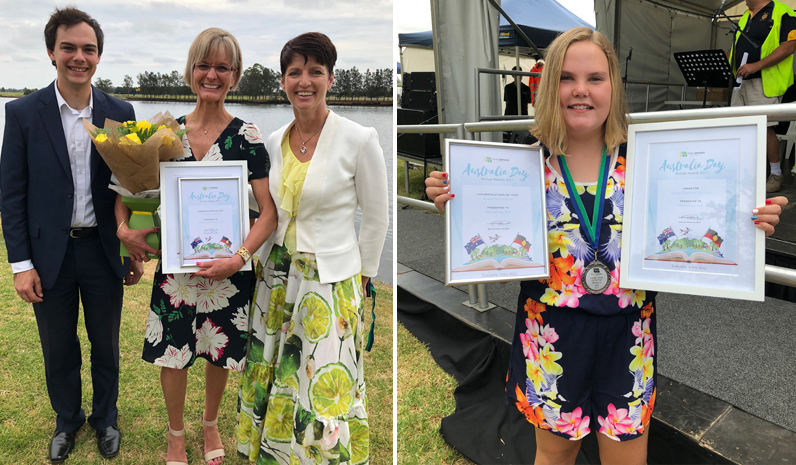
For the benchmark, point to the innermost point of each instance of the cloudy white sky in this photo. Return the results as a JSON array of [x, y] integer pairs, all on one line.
[[415, 15], [154, 35]]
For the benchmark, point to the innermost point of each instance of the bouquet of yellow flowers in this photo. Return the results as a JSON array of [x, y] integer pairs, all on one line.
[[133, 150]]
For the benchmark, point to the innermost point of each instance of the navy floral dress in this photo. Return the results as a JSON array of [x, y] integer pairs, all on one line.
[[191, 316]]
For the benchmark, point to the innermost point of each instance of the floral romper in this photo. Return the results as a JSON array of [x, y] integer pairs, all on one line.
[[580, 361]]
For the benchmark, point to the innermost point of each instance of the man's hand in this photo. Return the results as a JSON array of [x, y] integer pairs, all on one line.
[[135, 242], [136, 271], [220, 269], [28, 286], [749, 69]]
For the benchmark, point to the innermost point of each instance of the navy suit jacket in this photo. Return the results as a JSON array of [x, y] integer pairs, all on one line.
[[36, 183]]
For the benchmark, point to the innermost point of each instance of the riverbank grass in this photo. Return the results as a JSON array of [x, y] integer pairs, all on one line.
[[27, 420]]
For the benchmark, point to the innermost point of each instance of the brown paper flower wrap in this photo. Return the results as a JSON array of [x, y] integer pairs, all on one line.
[[133, 150]]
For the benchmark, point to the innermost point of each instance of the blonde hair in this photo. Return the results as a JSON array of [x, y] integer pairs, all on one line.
[[207, 44], [550, 127]]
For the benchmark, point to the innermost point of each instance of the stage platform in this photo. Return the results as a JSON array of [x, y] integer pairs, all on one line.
[[725, 367]]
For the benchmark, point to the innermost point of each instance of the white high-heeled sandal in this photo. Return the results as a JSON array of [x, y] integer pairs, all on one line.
[[215, 453], [176, 433]]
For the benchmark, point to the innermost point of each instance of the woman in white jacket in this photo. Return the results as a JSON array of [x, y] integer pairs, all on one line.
[[302, 395]]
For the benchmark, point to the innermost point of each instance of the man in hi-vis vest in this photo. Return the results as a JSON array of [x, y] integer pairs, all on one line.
[[766, 67]]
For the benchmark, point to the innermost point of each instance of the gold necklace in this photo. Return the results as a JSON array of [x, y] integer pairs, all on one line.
[[211, 127]]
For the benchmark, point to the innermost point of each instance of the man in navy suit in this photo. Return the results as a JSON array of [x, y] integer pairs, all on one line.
[[60, 229]]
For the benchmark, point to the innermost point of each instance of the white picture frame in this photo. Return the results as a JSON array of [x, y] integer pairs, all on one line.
[[181, 213], [499, 210], [690, 188]]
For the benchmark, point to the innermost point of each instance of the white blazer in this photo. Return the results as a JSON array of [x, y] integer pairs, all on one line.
[[346, 171]]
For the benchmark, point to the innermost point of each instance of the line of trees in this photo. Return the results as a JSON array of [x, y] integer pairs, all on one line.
[[256, 81]]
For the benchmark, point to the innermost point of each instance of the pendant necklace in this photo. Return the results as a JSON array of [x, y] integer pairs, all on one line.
[[596, 276], [303, 149], [211, 127]]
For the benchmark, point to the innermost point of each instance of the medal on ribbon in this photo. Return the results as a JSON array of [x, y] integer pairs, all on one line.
[[596, 277]]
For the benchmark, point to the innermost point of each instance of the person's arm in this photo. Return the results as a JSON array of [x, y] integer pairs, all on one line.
[[14, 188], [780, 53], [786, 48], [370, 182], [263, 227]]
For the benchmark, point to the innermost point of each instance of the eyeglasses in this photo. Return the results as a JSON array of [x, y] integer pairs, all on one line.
[[220, 69]]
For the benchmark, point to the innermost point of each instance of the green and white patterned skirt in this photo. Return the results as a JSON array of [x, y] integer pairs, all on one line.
[[302, 394]]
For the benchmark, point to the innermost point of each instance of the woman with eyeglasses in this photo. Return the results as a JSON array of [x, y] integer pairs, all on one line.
[[205, 314]]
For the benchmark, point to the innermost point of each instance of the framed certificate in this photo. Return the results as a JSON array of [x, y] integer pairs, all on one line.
[[690, 190], [204, 206], [496, 229]]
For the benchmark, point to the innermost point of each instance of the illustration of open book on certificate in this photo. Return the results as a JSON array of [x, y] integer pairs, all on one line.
[[202, 249], [689, 248], [499, 254]]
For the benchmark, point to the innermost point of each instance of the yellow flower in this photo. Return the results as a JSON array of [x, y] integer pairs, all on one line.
[[101, 138], [162, 126], [129, 124], [142, 125], [167, 140], [133, 137]]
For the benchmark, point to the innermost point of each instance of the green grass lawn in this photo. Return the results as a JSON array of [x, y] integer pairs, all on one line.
[[27, 420], [425, 396], [416, 180]]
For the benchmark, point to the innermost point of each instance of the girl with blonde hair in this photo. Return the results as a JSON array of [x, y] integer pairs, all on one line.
[[583, 355]]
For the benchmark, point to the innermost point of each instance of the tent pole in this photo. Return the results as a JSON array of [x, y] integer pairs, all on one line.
[[516, 28], [518, 80]]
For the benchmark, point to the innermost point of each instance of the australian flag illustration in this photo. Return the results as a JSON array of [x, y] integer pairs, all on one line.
[[196, 242], [474, 242], [667, 233]]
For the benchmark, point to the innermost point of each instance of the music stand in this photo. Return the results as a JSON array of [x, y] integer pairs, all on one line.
[[706, 68]]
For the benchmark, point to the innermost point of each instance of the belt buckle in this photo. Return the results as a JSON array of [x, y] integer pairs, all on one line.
[[72, 234]]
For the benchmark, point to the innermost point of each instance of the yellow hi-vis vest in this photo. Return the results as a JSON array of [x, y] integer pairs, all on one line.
[[777, 78]]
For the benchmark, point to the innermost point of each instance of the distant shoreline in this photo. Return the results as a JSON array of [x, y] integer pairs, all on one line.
[[271, 100]]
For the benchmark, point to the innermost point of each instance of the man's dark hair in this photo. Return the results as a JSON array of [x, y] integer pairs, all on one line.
[[70, 16], [310, 44]]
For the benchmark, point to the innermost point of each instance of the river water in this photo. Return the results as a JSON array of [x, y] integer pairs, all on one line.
[[271, 117]]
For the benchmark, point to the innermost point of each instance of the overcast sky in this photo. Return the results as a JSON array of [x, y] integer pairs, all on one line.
[[415, 15], [154, 35]]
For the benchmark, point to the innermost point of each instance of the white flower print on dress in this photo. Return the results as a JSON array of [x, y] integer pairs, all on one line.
[[210, 340], [251, 133], [175, 358], [186, 147], [234, 365], [213, 295], [180, 288], [241, 319], [214, 154], [154, 328]]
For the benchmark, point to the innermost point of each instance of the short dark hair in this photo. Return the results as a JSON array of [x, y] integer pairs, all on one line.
[[70, 16], [309, 44]]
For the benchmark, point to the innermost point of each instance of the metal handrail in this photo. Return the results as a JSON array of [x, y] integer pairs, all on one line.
[[782, 112]]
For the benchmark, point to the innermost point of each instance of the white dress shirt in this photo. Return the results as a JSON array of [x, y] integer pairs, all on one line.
[[78, 145]]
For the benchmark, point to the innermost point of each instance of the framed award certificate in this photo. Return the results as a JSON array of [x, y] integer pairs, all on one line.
[[690, 190], [204, 206], [496, 227]]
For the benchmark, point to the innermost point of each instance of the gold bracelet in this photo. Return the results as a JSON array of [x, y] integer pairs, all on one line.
[[120, 226], [244, 254]]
